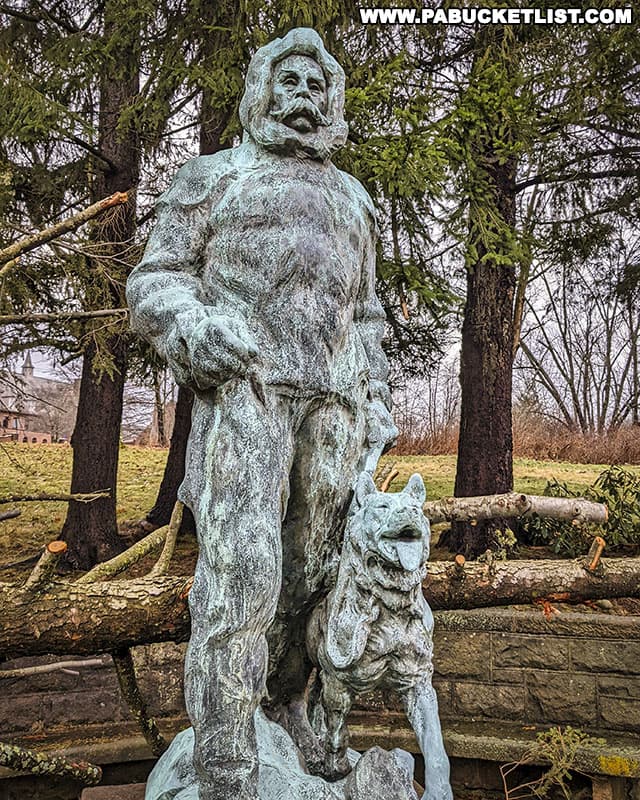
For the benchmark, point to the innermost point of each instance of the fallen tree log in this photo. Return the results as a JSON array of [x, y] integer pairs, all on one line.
[[84, 619], [475, 584], [514, 504]]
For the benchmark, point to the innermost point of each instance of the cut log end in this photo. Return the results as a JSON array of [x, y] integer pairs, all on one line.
[[116, 199], [43, 571], [458, 566], [595, 551]]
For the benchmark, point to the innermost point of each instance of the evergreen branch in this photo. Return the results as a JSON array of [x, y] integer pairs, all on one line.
[[15, 14], [631, 134], [38, 341], [73, 356], [618, 151], [78, 118], [66, 26], [630, 172], [93, 151], [87, 23], [145, 217]]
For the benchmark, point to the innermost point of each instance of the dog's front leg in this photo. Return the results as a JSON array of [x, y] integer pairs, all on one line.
[[336, 700], [421, 705]]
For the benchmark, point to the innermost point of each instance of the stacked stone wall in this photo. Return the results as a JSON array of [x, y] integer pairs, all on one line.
[[490, 665], [511, 665]]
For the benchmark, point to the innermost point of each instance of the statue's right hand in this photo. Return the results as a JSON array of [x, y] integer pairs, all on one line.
[[219, 348]]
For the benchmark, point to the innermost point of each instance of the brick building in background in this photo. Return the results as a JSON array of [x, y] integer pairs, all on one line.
[[35, 409]]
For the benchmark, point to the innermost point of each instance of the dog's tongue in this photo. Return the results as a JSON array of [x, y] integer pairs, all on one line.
[[410, 554]]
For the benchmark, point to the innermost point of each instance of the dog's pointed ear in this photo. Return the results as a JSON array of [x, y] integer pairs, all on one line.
[[415, 488], [364, 487]]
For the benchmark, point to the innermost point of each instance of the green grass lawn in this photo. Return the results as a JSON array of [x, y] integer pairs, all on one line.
[[32, 469], [530, 477], [29, 469]]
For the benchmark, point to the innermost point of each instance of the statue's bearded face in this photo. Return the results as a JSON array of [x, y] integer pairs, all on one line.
[[299, 94], [294, 98]]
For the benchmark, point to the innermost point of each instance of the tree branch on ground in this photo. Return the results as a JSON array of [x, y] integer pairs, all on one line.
[[57, 666], [81, 497], [162, 564], [22, 760], [122, 562], [126, 672], [43, 571]]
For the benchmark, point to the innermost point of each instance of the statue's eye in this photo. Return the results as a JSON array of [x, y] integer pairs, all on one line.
[[314, 86], [290, 80]]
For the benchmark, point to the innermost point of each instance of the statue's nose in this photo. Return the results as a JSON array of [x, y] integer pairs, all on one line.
[[303, 91]]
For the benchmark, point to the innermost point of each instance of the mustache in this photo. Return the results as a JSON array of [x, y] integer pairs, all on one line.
[[301, 105]]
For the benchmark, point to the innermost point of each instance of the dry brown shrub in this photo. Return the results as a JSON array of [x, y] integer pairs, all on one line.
[[533, 437], [417, 441]]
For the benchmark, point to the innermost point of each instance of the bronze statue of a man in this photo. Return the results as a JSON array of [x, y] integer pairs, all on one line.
[[257, 286]]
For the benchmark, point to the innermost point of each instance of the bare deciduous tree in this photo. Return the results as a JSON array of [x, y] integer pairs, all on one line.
[[580, 340]]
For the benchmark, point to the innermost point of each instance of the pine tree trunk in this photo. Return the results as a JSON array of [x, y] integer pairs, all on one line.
[[485, 447], [90, 529]]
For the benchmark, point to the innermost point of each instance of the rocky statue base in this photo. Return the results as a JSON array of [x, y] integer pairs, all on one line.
[[376, 775]]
